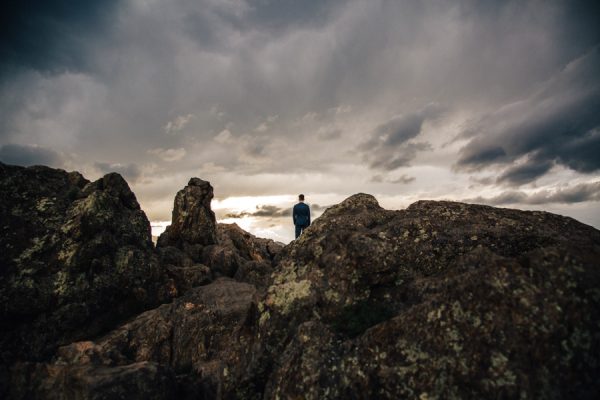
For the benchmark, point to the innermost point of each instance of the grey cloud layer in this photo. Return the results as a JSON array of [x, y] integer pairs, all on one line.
[[558, 124], [575, 194], [301, 87], [29, 155], [390, 145], [51, 35]]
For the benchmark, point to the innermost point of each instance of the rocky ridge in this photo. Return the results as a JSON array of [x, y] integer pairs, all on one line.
[[441, 300], [76, 259]]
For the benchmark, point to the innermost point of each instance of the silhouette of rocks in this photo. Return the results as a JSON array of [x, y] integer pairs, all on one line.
[[76, 259]]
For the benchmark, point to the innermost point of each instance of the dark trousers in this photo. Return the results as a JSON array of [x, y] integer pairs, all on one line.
[[299, 229]]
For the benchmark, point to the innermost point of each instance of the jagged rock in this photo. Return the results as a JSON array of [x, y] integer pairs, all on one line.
[[441, 300], [76, 258], [227, 250], [193, 223], [242, 255], [200, 337]]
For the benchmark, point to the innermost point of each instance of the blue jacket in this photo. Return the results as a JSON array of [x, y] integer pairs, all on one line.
[[301, 214]]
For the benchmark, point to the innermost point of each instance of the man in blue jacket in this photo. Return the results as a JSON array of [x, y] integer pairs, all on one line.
[[301, 215]]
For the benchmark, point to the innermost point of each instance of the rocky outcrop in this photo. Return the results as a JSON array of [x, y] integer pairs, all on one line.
[[76, 259], [194, 245], [193, 224], [440, 300], [242, 255], [192, 346]]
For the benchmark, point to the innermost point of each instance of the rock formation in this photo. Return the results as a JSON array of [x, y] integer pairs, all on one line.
[[191, 346], [440, 300], [76, 258], [195, 247], [193, 224]]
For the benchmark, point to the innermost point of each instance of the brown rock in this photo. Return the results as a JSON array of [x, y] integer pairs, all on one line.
[[242, 255], [143, 380], [202, 336], [441, 300], [76, 259], [193, 223]]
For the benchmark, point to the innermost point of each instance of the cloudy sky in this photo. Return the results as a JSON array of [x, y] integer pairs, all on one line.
[[494, 102]]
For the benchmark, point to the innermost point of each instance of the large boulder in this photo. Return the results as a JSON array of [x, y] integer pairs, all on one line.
[[241, 255], [193, 223], [194, 346], [75, 259], [441, 300]]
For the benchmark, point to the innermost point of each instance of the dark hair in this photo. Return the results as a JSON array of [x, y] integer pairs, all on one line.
[[301, 196]]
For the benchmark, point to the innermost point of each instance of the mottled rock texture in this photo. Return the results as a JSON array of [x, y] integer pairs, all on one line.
[[75, 259], [442, 300], [194, 346]]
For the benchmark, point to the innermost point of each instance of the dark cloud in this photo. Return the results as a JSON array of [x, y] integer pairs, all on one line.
[[209, 23], [574, 194], [559, 123], [521, 174], [306, 90], [390, 146], [270, 211], [402, 179], [473, 157], [131, 172], [29, 155], [51, 35]]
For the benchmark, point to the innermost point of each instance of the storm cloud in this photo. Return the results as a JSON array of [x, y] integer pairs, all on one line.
[[574, 194], [271, 211], [51, 36], [405, 100], [559, 123], [390, 145], [29, 155]]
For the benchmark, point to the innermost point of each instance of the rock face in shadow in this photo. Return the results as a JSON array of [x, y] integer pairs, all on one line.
[[76, 258], [440, 300], [193, 346], [138, 381]]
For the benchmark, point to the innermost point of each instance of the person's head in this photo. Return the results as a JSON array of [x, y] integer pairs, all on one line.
[[301, 197]]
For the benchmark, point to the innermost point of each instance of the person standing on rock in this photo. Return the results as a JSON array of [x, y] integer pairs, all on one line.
[[301, 215]]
